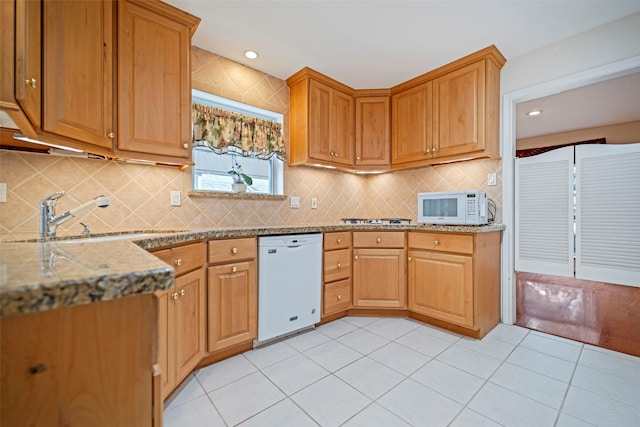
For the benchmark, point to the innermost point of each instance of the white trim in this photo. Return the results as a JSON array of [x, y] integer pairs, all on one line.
[[508, 147]]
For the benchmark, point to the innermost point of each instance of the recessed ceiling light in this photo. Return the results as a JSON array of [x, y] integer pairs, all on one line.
[[250, 54], [534, 113]]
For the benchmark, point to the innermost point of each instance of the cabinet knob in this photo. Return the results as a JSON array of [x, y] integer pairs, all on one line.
[[339, 297], [182, 292], [185, 145], [378, 239], [234, 269], [339, 266], [234, 250], [339, 241], [175, 295], [409, 259], [355, 257], [436, 242], [41, 368], [435, 149], [357, 157], [111, 135], [178, 262], [335, 154], [31, 82]]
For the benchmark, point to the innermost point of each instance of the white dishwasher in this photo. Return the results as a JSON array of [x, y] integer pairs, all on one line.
[[289, 284]]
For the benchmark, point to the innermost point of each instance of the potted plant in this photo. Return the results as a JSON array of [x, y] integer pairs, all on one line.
[[240, 179]]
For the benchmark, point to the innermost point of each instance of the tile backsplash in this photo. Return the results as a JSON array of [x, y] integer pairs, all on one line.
[[140, 194]]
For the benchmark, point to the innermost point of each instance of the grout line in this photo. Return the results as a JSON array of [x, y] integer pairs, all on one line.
[[564, 398]]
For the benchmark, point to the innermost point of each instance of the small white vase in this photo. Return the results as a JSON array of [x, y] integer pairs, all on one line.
[[239, 187]]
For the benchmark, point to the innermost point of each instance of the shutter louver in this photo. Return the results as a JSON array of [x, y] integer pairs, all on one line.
[[608, 213], [544, 206]]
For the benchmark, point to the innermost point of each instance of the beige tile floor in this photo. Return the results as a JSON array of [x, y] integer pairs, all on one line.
[[365, 371]]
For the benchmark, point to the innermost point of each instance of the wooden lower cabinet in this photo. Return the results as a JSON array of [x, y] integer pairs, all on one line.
[[233, 303], [336, 273], [455, 278], [84, 365], [379, 278], [336, 297], [182, 315], [441, 286]]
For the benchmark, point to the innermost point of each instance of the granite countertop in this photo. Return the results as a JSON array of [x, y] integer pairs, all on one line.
[[69, 270], [44, 276]]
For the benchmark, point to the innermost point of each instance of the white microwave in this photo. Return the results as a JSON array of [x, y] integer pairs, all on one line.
[[454, 208]]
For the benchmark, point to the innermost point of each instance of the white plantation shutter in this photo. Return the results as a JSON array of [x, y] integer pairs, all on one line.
[[544, 213], [608, 213]]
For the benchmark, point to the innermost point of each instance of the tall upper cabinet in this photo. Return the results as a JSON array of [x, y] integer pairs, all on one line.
[[116, 76]]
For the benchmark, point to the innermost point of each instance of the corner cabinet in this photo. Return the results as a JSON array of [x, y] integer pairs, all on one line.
[[91, 53], [455, 278], [412, 124], [379, 269], [321, 120], [232, 294], [373, 123], [181, 315]]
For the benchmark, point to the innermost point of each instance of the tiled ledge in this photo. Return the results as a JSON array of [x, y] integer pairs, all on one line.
[[228, 195]]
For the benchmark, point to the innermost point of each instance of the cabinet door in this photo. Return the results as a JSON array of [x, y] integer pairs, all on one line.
[[441, 286], [188, 302], [320, 98], [78, 75], [27, 58], [166, 347], [342, 125], [154, 83], [372, 131], [336, 297], [233, 305], [379, 278], [411, 124], [458, 111]]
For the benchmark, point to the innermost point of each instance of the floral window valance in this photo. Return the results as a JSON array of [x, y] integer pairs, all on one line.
[[224, 131]]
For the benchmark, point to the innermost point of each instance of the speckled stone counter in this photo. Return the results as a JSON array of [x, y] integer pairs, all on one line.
[[71, 270], [43, 276]]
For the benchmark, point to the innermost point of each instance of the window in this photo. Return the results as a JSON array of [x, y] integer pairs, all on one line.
[[210, 172]]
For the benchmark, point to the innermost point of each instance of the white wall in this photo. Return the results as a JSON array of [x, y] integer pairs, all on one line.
[[603, 45]]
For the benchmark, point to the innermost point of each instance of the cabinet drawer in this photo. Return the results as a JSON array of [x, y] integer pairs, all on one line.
[[232, 250], [442, 242], [183, 258], [337, 265], [336, 297], [341, 240], [378, 239]]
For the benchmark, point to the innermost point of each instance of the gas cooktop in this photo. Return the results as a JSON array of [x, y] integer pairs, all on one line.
[[375, 220]]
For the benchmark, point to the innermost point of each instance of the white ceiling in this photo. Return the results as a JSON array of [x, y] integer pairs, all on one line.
[[605, 103], [379, 44]]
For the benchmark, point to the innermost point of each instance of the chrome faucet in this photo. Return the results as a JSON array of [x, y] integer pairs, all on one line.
[[49, 222]]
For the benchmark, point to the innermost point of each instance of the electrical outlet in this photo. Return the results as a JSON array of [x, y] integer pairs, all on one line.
[[314, 203], [294, 202], [176, 198], [491, 179], [3, 192]]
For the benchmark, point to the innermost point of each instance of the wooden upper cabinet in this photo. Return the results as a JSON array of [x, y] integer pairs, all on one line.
[[321, 121], [78, 71], [154, 81], [28, 85], [373, 122], [342, 127], [411, 121], [330, 124], [459, 111]]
